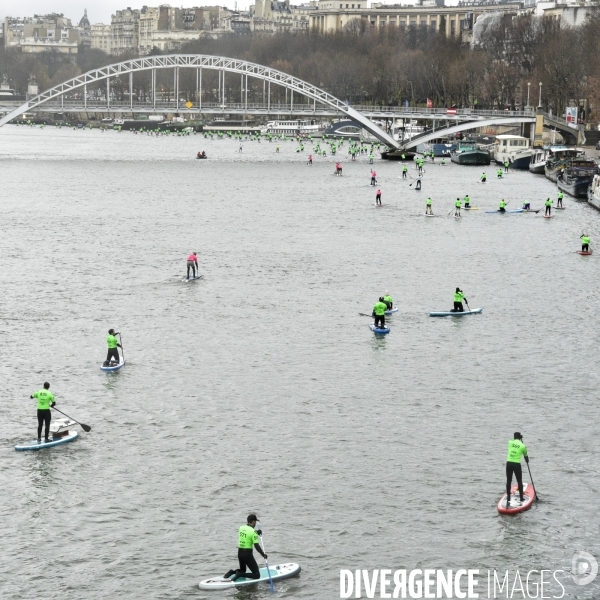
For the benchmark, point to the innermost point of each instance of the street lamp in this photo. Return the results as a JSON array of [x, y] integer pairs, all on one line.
[[540, 102], [528, 88]]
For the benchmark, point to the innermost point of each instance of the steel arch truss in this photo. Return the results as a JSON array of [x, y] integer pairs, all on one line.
[[232, 65]]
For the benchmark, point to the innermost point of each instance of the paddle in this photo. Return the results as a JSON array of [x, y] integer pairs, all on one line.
[[86, 428], [122, 351], [365, 315], [267, 562], [469, 310], [533, 484]]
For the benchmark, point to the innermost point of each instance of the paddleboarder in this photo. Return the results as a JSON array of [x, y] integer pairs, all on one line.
[[548, 204], [502, 206], [526, 205], [379, 313], [404, 171], [506, 163], [418, 186], [457, 210], [387, 300], [192, 263], [516, 449], [499, 173], [428, 210], [458, 298], [560, 199], [45, 400], [247, 540], [310, 159], [483, 178], [467, 201], [378, 197], [585, 242], [113, 344], [373, 178]]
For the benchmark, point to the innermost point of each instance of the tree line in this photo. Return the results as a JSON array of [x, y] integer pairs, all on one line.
[[382, 67]]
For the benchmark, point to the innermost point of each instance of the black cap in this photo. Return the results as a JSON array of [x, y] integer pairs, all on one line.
[[251, 518], [111, 331], [458, 289], [518, 436]]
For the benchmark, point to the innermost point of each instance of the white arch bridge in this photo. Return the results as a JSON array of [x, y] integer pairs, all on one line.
[[72, 96], [199, 63]]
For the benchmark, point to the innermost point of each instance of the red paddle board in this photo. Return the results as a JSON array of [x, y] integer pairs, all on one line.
[[516, 506], [584, 253]]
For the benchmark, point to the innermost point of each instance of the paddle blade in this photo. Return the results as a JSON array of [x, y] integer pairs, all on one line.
[[86, 428]]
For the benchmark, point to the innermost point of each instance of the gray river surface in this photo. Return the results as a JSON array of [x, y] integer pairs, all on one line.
[[259, 388]]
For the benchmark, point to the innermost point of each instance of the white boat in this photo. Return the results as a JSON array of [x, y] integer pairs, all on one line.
[[514, 149], [402, 131], [538, 160], [291, 128], [593, 193]]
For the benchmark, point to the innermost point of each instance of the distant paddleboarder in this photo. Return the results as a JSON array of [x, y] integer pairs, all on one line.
[[418, 186], [378, 197], [373, 178], [404, 171], [457, 209], [310, 159], [458, 298], [45, 400], [526, 205], [502, 208], [192, 264], [548, 210], [516, 449], [467, 201], [247, 540], [483, 178], [585, 242], [113, 344], [560, 199], [499, 172], [387, 300], [506, 165], [428, 209]]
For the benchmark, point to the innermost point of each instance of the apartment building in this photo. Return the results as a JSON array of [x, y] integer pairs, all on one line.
[[100, 37], [41, 33]]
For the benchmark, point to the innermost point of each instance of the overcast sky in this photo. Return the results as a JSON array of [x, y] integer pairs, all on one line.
[[99, 11]]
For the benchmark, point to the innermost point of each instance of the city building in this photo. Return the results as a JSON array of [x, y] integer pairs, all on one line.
[[100, 37], [85, 30], [41, 33], [273, 16], [124, 29], [432, 15]]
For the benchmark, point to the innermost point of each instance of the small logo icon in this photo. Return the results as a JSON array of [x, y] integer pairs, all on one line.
[[584, 568]]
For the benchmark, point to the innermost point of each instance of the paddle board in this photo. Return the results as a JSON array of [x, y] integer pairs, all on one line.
[[547, 216], [278, 572], [559, 207], [379, 330], [584, 253], [457, 217], [470, 208], [449, 313], [516, 506], [192, 278], [514, 210], [35, 445], [428, 215], [113, 368], [391, 311]]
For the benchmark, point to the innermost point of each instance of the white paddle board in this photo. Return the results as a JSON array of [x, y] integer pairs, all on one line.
[[35, 445], [278, 572]]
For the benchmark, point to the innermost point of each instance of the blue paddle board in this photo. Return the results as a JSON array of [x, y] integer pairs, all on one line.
[[379, 330], [113, 368], [35, 445], [391, 311], [191, 278], [449, 313], [278, 572]]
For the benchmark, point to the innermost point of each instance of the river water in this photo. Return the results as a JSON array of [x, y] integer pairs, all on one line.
[[260, 388]]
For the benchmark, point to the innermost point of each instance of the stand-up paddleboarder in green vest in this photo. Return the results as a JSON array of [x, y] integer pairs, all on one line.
[[483, 178], [428, 209], [457, 209], [458, 298], [379, 313], [585, 242], [560, 199], [113, 344], [548, 204], [516, 449], [506, 164], [247, 540], [404, 171], [387, 300], [467, 201], [44, 401]]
